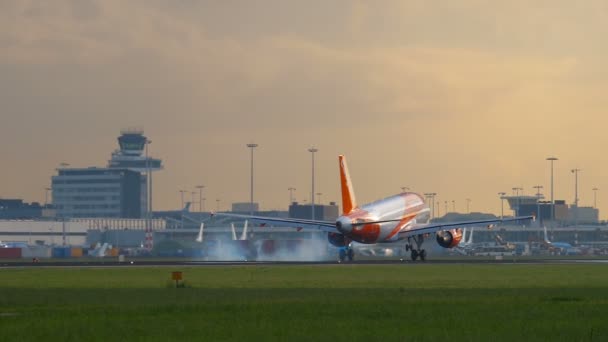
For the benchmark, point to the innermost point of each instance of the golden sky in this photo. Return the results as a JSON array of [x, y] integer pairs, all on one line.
[[463, 98]]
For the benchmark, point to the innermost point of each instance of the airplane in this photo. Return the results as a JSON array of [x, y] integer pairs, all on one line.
[[243, 234], [565, 247], [468, 242], [99, 250], [402, 217], [244, 248], [501, 242], [199, 237]]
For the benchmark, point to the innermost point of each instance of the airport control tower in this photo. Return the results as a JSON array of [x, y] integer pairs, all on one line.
[[121, 190], [133, 153]]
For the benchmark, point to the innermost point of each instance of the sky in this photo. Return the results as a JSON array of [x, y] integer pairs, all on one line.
[[465, 99]]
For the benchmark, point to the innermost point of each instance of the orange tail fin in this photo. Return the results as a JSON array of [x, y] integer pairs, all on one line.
[[348, 196]]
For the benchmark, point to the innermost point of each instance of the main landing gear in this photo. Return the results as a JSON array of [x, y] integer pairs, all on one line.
[[418, 252], [346, 252]]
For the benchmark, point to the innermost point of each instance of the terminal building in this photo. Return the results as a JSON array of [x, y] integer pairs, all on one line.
[[564, 214], [99, 192], [16, 209], [119, 190], [322, 212], [245, 207], [583, 215]]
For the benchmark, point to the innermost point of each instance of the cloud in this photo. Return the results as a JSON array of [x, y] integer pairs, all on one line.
[[415, 85]]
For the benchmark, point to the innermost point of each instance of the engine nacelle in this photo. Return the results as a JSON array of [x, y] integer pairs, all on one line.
[[449, 238], [337, 240]]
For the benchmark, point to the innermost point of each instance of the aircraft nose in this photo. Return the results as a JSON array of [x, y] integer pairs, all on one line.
[[344, 225]]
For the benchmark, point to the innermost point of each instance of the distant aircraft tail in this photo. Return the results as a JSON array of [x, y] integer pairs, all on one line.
[[244, 234], [199, 238], [470, 242], [233, 232], [100, 250], [348, 195]]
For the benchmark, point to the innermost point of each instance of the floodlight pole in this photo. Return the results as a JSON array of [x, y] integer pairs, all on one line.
[[595, 197], [182, 208], [251, 146], [291, 190], [312, 151], [552, 159], [502, 204], [538, 195], [200, 197], [576, 171]]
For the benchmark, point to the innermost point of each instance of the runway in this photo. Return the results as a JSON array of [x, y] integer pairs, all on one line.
[[201, 263]]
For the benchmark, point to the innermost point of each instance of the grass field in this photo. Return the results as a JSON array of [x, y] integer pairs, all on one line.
[[307, 303]]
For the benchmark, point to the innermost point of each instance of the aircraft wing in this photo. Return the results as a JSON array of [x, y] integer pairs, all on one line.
[[435, 227], [326, 226]]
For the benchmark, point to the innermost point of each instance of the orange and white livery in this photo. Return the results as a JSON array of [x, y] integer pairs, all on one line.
[[404, 216]]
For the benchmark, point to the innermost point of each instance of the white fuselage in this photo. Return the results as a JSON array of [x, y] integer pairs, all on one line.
[[408, 208]]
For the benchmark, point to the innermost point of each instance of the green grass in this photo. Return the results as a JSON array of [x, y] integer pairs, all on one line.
[[307, 303]]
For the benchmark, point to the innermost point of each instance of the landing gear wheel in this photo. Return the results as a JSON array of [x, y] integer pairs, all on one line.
[[341, 255], [418, 252], [350, 254]]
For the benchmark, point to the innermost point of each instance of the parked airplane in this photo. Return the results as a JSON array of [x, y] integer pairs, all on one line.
[[243, 234], [501, 242], [465, 247], [99, 250], [561, 247], [199, 237], [468, 238], [402, 217]]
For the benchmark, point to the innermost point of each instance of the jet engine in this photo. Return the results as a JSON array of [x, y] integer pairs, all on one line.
[[337, 240], [449, 238]]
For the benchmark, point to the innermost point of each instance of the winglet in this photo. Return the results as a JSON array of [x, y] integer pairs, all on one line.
[[348, 196]]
